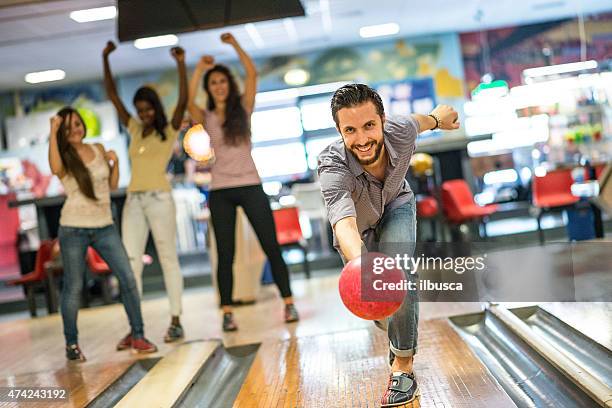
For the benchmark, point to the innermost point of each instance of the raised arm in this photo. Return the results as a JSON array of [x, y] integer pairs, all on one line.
[[250, 83], [111, 88], [204, 64], [442, 117], [55, 159], [177, 118]]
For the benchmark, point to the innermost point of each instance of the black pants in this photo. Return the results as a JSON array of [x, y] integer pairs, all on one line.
[[254, 202]]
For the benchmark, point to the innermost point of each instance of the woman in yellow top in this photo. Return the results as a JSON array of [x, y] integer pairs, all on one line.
[[149, 206]]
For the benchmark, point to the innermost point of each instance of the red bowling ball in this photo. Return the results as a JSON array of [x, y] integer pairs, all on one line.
[[382, 292]]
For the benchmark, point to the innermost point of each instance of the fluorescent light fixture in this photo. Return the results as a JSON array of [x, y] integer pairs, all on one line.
[[287, 200], [316, 115], [325, 16], [296, 77], [290, 94], [484, 198], [280, 160], [45, 76], [379, 30], [276, 124], [272, 188], [254, 34], [501, 176], [94, 14], [540, 171], [291, 30], [559, 69], [154, 42]]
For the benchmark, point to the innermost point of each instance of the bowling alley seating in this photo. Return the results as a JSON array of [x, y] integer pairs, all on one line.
[[551, 192], [459, 206], [289, 233], [41, 276], [9, 225], [99, 268], [428, 209]]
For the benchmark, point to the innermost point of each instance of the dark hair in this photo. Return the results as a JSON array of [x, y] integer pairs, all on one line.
[[148, 94], [70, 158], [236, 126], [353, 95]]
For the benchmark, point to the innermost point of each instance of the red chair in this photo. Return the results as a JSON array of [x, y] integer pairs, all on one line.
[[427, 208], [459, 206], [289, 232], [598, 170], [552, 191], [9, 225], [39, 277], [98, 267]]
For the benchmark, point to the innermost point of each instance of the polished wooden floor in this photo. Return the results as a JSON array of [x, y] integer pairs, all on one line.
[[350, 369], [329, 358]]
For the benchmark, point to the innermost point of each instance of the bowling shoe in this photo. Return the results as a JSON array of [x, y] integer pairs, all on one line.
[[125, 342], [143, 346], [291, 314], [73, 352], [174, 333], [402, 389], [229, 324]]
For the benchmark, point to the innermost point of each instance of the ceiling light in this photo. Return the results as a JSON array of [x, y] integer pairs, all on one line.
[[254, 34], [559, 69], [296, 77], [45, 76], [325, 16], [154, 42], [291, 31], [379, 30], [290, 94], [94, 14]]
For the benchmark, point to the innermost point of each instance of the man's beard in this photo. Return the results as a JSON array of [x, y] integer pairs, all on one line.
[[377, 151]]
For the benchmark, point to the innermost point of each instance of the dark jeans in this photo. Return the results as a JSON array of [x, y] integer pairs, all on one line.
[[254, 202], [107, 242]]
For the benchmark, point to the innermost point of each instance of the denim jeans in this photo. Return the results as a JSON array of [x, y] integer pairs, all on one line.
[[396, 233], [106, 241]]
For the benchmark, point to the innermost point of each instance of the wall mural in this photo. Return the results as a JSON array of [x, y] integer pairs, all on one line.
[[434, 56], [513, 49]]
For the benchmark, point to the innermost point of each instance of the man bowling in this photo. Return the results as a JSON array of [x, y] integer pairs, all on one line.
[[371, 206]]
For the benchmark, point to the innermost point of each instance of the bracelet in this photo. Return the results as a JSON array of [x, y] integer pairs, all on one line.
[[436, 119]]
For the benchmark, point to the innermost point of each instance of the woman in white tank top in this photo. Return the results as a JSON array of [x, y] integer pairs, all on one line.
[[88, 173]]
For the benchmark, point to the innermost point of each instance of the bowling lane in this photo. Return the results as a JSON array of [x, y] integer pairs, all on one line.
[[349, 369], [84, 382]]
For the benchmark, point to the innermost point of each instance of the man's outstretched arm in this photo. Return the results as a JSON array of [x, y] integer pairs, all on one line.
[[348, 237], [443, 117]]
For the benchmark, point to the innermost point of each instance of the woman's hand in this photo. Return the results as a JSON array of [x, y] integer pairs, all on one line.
[[229, 38], [56, 122], [110, 47], [205, 63], [178, 54], [111, 157]]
